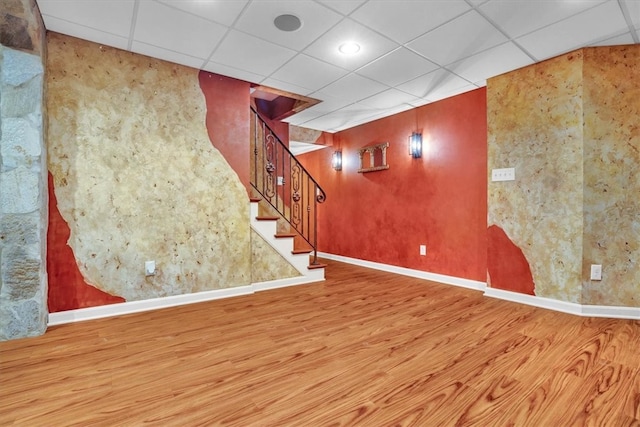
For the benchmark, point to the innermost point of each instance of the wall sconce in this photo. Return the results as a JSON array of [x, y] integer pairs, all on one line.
[[336, 160], [415, 145]]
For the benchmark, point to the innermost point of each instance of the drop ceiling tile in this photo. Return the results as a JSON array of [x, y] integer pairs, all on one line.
[[354, 87], [309, 72], [625, 38], [440, 94], [633, 9], [248, 53], [372, 45], [286, 86], [342, 119], [490, 63], [166, 55], [85, 33], [316, 19], [236, 73], [102, 15], [328, 103], [466, 35], [160, 25], [344, 7], [404, 21], [520, 17], [397, 67], [214, 10], [433, 83], [390, 98], [579, 30]]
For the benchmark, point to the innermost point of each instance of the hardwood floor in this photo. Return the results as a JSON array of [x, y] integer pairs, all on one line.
[[363, 348]]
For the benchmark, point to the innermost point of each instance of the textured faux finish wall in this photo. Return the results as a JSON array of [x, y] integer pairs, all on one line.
[[439, 200], [612, 174], [136, 176], [534, 118]]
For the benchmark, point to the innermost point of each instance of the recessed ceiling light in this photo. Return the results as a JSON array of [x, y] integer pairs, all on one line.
[[349, 48], [287, 22]]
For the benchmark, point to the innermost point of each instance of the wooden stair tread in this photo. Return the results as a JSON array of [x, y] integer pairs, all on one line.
[[283, 235], [267, 218], [255, 199], [315, 266], [301, 251]]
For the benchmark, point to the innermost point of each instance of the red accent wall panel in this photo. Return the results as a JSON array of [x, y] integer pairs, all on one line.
[[507, 266], [67, 288], [439, 200], [228, 119]]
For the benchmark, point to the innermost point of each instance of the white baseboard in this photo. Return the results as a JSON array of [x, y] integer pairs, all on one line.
[[281, 283], [632, 313], [551, 304], [435, 277], [130, 307]]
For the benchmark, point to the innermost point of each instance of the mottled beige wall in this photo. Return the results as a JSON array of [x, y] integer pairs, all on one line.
[[267, 263], [612, 174], [534, 119], [136, 176]]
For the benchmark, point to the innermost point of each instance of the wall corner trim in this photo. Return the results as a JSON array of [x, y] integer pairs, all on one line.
[[434, 277], [130, 307]]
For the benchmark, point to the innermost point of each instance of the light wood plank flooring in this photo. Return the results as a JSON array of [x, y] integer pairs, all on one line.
[[363, 348]]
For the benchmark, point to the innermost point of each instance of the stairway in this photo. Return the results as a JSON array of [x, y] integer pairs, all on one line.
[[283, 243]]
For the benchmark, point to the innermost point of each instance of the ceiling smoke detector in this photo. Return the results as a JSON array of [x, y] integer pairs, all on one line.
[[287, 22]]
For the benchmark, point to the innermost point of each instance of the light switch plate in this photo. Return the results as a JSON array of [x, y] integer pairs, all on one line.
[[505, 174]]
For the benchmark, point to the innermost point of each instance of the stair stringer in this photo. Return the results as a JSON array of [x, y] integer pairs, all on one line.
[[267, 229]]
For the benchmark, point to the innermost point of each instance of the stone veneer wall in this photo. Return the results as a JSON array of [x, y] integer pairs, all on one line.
[[23, 182], [571, 128]]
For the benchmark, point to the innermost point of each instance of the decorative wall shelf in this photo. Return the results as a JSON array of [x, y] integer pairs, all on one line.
[[377, 158]]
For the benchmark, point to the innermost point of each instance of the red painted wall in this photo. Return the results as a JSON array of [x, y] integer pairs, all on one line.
[[67, 288], [228, 119], [439, 200], [507, 266]]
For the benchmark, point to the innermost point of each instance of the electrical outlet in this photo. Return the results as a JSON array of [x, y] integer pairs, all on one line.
[[506, 174], [149, 268], [423, 250], [596, 272], [280, 180]]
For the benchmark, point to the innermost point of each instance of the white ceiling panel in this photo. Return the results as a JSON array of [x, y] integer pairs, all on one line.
[[316, 20], [430, 85], [309, 72], [459, 44], [633, 9], [286, 86], [519, 17], [372, 45], [344, 7], [411, 51], [236, 73], [167, 55], [443, 93], [579, 30], [161, 25], [403, 21], [389, 99], [102, 15], [492, 62], [354, 87], [397, 67], [625, 38], [214, 10], [256, 55], [85, 33]]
